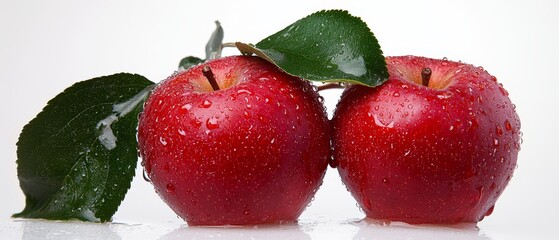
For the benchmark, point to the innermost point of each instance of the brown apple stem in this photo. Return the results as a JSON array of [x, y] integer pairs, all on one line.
[[425, 76], [207, 71], [330, 86]]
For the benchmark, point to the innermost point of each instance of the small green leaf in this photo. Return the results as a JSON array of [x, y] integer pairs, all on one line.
[[213, 47], [77, 158], [327, 46], [189, 62]]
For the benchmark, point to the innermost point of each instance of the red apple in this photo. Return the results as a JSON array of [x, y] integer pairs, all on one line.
[[437, 143], [252, 151]]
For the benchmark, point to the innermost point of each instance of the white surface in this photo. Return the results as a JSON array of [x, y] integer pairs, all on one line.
[[45, 46]]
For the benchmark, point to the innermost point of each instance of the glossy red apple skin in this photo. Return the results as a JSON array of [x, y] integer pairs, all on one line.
[[254, 152], [440, 154]]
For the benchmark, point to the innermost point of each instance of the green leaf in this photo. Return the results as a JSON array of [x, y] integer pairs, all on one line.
[[213, 49], [327, 46], [77, 158], [189, 62]]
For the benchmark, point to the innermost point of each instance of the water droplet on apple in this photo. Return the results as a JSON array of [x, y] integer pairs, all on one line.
[[244, 91], [206, 104], [182, 132], [472, 124], [477, 197], [197, 123], [315, 88], [503, 90], [187, 107], [489, 211], [380, 123], [508, 126], [170, 188], [499, 130], [359, 207], [444, 95], [162, 141], [481, 86], [211, 123], [146, 176], [407, 152]]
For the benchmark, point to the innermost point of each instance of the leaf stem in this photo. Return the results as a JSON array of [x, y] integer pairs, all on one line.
[[330, 86], [207, 71], [229, 44]]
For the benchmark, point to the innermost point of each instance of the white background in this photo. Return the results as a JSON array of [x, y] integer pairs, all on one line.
[[46, 46]]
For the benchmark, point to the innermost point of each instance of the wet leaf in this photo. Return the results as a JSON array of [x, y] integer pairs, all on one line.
[[327, 46], [213, 47], [76, 159], [189, 62]]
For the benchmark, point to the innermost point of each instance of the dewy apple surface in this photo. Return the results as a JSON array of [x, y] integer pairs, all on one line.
[[255, 148]]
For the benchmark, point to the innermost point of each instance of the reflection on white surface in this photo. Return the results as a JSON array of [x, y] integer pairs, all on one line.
[[266, 232], [304, 230], [67, 230], [368, 230]]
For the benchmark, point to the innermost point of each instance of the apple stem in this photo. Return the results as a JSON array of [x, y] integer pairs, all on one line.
[[330, 86], [425, 76], [207, 71]]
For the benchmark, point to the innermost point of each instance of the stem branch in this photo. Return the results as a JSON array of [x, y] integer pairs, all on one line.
[[330, 86]]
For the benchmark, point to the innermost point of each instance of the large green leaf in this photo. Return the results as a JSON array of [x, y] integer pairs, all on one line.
[[76, 159], [327, 46]]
